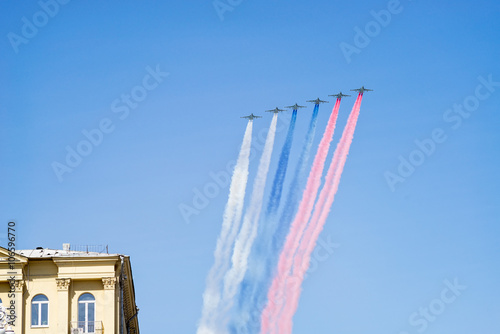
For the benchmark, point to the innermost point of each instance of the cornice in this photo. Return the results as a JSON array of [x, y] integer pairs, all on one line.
[[71, 261]]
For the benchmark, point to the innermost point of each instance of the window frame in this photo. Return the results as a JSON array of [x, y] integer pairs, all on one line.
[[39, 313]]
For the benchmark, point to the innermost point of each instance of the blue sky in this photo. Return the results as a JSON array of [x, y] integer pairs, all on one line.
[[398, 246]]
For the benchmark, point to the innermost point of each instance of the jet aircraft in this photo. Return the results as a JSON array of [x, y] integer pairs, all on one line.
[[317, 101], [362, 90], [295, 106], [275, 110], [339, 95], [251, 117]]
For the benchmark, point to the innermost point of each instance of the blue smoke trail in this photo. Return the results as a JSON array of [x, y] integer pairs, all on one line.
[[296, 187], [279, 177], [253, 293]]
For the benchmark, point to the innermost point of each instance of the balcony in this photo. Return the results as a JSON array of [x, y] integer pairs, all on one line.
[[83, 327]]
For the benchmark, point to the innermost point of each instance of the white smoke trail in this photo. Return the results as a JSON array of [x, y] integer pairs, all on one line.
[[230, 225], [248, 233]]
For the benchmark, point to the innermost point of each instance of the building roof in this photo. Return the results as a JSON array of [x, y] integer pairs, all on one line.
[[49, 253]]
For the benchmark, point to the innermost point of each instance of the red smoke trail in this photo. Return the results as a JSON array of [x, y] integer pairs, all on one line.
[[321, 211], [270, 313]]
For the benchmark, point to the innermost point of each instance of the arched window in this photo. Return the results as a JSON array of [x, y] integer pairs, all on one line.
[[40, 311], [86, 313]]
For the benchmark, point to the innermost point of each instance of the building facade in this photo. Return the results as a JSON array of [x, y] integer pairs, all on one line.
[[65, 291]]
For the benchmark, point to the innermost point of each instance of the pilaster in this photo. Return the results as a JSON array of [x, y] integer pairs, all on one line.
[[63, 285], [109, 284], [19, 306]]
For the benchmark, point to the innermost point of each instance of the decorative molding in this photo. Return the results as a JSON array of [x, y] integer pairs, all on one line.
[[19, 286], [63, 284], [109, 283]]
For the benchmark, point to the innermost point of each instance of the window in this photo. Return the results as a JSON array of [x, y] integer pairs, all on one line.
[[40, 311], [86, 313]]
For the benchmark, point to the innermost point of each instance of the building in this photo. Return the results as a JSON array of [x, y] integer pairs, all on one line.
[[67, 291]]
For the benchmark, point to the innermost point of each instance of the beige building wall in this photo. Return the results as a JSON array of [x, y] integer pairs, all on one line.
[[63, 276]]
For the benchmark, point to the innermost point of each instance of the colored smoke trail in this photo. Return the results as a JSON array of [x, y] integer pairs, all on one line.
[[230, 225], [275, 293], [254, 285], [321, 211], [255, 273], [296, 185], [246, 236], [279, 177]]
